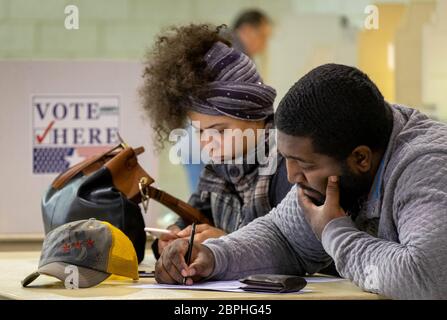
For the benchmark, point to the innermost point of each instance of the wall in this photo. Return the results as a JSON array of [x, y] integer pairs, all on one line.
[[434, 62], [375, 49], [408, 44]]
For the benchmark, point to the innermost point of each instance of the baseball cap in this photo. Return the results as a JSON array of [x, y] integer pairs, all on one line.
[[95, 248]]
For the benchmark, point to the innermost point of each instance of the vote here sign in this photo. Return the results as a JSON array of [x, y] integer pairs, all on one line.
[[67, 129]]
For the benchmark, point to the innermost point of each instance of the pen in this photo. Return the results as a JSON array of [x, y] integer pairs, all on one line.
[[190, 244]]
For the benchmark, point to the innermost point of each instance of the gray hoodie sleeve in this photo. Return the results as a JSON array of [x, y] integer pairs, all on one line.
[[280, 242], [413, 266]]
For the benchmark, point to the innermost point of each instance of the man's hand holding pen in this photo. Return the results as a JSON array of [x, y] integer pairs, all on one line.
[[172, 267]]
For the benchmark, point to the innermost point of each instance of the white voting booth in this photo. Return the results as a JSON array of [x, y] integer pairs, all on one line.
[[55, 114]]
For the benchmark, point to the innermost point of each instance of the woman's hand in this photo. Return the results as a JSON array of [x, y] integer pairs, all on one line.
[[203, 232], [166, 239]]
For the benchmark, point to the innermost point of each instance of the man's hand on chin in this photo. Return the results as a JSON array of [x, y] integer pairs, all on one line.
[[319, 216]]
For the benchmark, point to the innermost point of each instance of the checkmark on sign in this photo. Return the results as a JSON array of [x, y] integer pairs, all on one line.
[[40, 138]]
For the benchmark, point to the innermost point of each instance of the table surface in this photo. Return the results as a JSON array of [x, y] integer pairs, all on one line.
[[14, 266]]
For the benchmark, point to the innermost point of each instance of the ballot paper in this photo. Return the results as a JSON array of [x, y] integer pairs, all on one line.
[[227, 286], [322, 279], [231, 286]]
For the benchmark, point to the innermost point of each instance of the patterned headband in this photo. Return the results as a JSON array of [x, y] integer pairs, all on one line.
[[237, 90]]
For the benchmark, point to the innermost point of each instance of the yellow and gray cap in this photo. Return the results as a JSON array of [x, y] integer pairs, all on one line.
[[96, 248]]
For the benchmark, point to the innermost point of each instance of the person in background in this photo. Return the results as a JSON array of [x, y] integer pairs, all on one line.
[[252, 30], [194, 76]]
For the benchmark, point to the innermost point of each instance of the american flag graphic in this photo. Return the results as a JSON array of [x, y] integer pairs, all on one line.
[[59, 159]]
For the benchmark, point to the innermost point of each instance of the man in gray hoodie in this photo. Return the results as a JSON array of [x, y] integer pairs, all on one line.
[[370, 194]]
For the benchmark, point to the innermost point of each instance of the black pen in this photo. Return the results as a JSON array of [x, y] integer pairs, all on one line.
[[190, 244]]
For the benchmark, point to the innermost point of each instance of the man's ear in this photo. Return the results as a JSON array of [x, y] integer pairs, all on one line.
[[360, 159]]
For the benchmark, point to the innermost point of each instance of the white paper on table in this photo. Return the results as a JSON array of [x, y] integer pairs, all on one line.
[[322, 279], [226, 286], [233, 286]]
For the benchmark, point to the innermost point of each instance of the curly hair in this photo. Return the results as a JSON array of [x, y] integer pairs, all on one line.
[[174, 70]]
